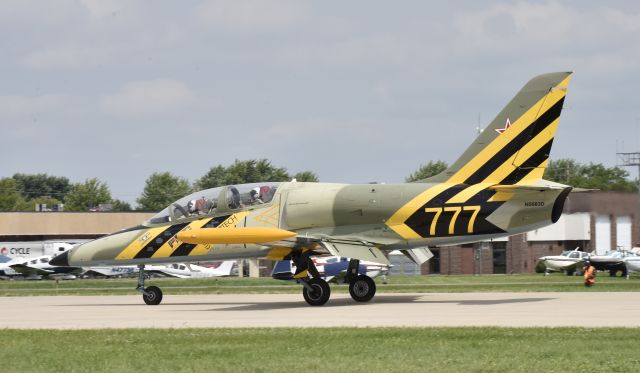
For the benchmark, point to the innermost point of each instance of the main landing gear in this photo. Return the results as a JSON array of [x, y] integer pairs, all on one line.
[[316, 291], [151, 295], [361, 287]]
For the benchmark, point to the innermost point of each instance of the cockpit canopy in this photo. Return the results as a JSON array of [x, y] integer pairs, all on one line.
[[216, 200]]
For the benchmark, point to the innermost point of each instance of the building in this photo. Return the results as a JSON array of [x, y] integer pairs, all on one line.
[[593, 222], [26, 234]]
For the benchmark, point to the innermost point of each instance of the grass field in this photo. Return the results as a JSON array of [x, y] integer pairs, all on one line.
[[395, 284], [322, 350]]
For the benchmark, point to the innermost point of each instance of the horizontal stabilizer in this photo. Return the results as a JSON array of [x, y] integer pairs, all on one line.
[[233, 235], [583, 190], [418, 255], [522, 188], [355, 250]]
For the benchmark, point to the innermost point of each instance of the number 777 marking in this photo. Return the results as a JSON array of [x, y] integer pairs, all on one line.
[[456, 212]]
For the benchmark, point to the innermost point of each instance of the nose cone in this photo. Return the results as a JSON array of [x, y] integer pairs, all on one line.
[[105, 250], [61, 260]]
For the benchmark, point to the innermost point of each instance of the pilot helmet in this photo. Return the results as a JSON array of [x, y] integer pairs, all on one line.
[[255, 192]]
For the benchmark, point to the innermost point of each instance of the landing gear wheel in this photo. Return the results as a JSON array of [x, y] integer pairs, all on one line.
[[152, 295], [362, 289], [318, 294]]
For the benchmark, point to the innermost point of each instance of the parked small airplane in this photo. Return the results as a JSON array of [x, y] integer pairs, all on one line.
[[38, 267], [632, 263], [182, 270], [330, 268], [494, 189], [5, 267], [568, 261], [612, 261], [108, 271]]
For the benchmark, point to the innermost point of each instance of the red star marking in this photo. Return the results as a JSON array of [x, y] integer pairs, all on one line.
[[506, 127]]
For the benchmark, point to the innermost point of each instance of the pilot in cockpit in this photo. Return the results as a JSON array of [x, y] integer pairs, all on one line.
[[235, 201], [254, 196]]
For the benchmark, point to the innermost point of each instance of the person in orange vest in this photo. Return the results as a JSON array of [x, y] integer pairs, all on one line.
[[589, 274]]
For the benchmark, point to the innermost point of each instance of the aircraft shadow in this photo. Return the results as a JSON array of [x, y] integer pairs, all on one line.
[[381, 299], [339, 302]]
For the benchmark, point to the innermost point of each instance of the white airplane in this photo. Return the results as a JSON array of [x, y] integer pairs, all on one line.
[[120, 271], [330, 268], [38, 267], [612, 261], [5, 267], [182, 270], [632, 261], [568, 261]]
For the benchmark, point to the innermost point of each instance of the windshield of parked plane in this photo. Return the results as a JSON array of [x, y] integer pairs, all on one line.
[[203, 202], [565, 253]]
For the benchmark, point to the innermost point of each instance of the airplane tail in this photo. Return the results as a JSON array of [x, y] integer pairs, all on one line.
[[515, 147], [224, 269]]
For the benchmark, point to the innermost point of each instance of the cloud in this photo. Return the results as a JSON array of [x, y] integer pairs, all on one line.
[[17, 106], [386, 49], [67, 57], [103, 8], [148, 97], [253, 15]]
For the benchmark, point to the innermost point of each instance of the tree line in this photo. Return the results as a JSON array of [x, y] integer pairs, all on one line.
[[22, 192]]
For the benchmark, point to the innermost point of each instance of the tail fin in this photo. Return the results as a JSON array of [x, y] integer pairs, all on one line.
[[515, 147], [224, 269]]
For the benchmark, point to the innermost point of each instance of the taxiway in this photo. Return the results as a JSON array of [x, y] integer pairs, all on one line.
[[288, 310]]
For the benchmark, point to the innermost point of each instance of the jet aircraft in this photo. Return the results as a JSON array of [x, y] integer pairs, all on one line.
[[494, 189]]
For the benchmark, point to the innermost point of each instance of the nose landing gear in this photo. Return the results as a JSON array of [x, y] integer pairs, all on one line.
[[151, 295], [316, 291]]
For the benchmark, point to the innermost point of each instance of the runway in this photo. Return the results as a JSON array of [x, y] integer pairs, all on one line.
[[288, 310]]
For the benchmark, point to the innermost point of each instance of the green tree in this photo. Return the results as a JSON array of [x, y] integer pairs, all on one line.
[[240, 172], [120, 205], [425, 171], [160, 190], [40, 185], [87, 195], [592, 175], [30, 205], [10, 198], [306, 176]]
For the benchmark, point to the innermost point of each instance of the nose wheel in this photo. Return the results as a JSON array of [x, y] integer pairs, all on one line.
[[151, 295], [316, 291]]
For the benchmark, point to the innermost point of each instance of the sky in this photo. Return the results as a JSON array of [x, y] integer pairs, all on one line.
[[356, 91]]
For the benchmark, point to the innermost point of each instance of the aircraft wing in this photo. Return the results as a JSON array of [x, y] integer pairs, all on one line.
[[165, 273], [355, 250], [29, 271]]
